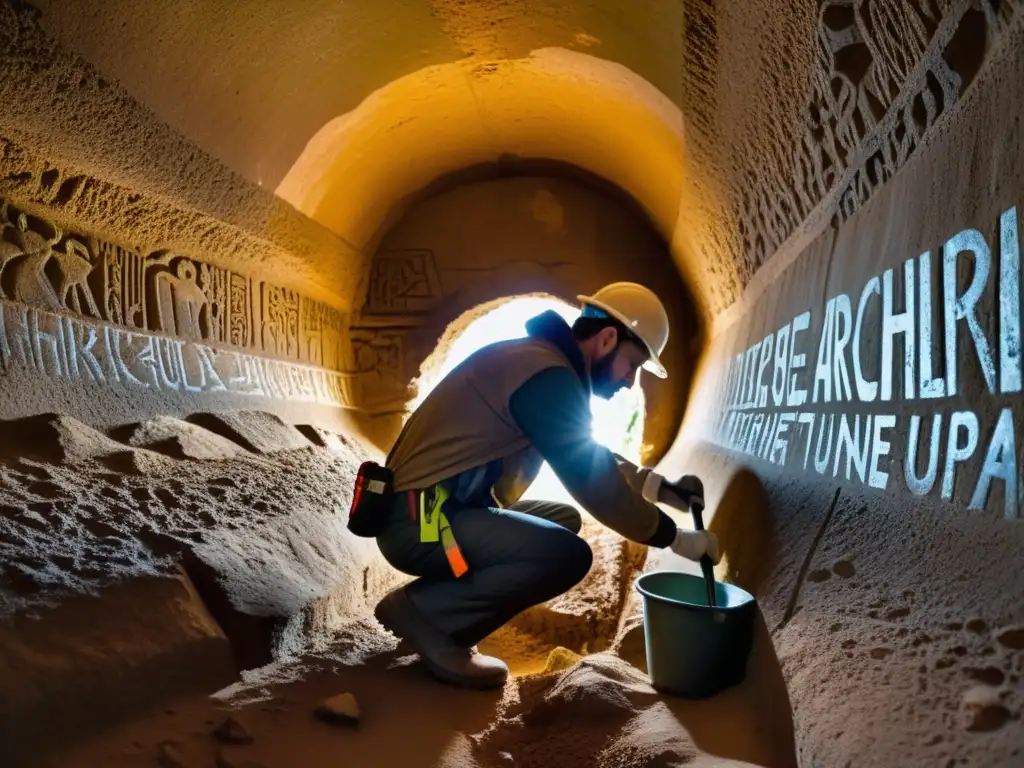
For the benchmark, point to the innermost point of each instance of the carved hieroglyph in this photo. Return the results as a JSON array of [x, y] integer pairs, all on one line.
[[403, 282], [886, 71], [404, 286], [74, 306]]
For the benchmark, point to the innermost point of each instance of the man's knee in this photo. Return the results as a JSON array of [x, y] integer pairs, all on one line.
[[568, 517], [572, 562], [582, 558]]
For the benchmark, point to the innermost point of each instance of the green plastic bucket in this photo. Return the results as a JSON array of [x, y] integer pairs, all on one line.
[[693, 650]]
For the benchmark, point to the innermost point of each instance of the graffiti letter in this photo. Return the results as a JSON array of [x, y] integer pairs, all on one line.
[[823, 370], [964, 307], [856, 449], [781, 368], [955, 452], [797, 396], [766, 355], [1009, 304], [901, 323], [930, 385], [842, 325], [879, 448], [1001, 462], [867, 391], [920, 486]]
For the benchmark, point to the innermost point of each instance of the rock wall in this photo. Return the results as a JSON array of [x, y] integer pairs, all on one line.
[[800, 112], [873, 383], [158, 558], [138, 275]]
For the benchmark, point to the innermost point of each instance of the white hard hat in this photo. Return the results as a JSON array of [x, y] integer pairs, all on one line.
[[641, 311]]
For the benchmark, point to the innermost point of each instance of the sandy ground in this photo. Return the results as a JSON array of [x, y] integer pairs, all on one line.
[[256, 509], [600, 711]]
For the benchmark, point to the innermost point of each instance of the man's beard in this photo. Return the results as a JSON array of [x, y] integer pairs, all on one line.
[[601, 382]]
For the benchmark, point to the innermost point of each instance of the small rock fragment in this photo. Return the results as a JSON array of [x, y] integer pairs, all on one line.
[[169, 756], [560, 659], [880, 653], [981, 709], [342, 709], [231, 731]]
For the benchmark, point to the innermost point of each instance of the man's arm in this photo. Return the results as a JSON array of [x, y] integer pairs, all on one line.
[[553, 410]]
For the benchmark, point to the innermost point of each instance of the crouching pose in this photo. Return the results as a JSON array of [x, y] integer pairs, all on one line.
[[473, 447]]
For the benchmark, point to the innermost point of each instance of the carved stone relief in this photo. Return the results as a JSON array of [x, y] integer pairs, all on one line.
[[73, 306], [379, 363], [886, 70], [403, 282], [160, 291]]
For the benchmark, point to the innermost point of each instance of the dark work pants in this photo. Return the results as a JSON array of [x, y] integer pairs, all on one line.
[[517, 557]]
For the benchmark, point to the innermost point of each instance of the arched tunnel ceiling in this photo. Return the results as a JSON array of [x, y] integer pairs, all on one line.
[[252, 82], [346, 109]]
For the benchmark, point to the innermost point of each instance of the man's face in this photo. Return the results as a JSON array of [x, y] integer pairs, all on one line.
[[616, 368]]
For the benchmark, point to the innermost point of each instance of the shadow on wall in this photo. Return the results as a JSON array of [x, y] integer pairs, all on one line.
[[758, 709], [743, 525]]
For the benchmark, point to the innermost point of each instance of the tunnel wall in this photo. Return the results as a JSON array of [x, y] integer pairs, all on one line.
[[139, 275], [872, 382], [461, 250], [142, 283]]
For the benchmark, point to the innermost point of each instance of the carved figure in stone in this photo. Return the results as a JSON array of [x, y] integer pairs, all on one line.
[[180, 301], [75, 267], [124, 294], [280, 321], [240, 311], [31, 285], [8, 248]]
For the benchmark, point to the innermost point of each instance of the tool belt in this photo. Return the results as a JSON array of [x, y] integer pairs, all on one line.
[[373, 500], [428, 507]]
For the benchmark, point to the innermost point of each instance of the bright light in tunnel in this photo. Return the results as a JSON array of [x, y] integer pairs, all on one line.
[[617, 423]]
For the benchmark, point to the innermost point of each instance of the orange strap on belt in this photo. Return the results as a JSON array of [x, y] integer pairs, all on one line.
[[451, 549]]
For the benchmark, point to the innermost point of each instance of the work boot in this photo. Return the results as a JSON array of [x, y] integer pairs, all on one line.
[[445, 659]]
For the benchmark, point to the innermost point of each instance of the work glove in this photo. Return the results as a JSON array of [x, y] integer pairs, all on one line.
[[693, 545], [680, 493]]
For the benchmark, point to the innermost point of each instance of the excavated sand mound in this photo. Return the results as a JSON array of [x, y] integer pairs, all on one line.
[[178, 439], [600, 712]]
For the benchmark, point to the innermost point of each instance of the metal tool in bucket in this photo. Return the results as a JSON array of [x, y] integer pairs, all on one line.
[[698, 633]]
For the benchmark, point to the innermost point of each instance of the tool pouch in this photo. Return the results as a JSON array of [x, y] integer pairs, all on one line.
[[372, 500]]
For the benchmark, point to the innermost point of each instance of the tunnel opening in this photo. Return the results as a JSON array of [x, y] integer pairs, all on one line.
[[517, 227]]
